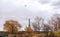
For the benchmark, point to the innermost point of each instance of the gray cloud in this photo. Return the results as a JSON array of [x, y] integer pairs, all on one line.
[[44, 1], [56, 4]]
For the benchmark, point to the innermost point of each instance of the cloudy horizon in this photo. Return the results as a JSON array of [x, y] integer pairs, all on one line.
[[20, 10]]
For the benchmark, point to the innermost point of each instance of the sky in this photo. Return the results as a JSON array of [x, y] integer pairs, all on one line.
[[21, 10]]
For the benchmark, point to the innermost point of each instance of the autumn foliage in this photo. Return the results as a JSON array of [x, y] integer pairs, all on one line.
[[12, 26]]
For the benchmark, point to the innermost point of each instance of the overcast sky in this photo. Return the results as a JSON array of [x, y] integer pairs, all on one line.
[[22, 9]]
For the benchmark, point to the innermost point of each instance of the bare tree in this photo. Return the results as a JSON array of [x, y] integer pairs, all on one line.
[[47, 27], [36, 24], [55, 22]]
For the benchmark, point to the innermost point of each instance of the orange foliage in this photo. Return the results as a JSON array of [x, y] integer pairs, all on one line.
[[12, 26]]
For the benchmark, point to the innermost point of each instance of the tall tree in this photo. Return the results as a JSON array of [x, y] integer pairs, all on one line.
[[55, 22], [37, 24], [12, 26]]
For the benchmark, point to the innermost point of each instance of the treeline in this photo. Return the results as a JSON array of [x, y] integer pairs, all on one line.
[[53, 24]]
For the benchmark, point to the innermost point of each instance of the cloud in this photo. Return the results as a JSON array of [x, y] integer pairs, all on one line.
[[56, 4], [44, 1], [15, 9]]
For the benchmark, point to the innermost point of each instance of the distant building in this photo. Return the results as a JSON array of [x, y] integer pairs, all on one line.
[[29, 29]]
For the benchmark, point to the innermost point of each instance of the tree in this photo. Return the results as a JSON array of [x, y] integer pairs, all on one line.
[[55, 22], [47, 27], [37, 23], [12, 26]]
